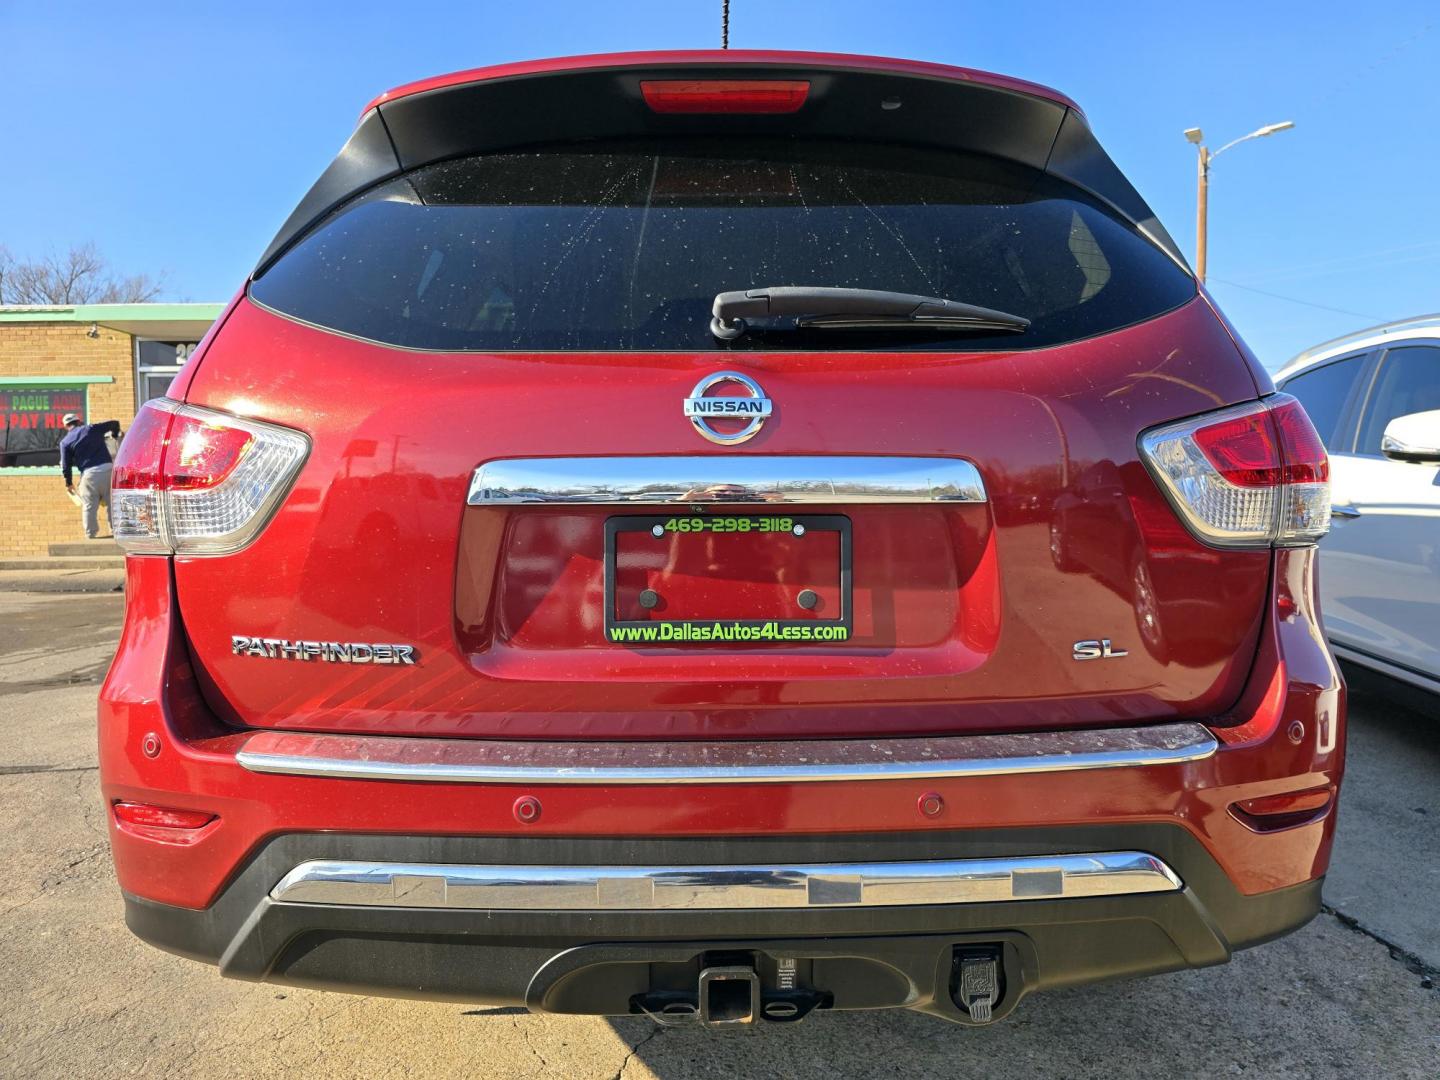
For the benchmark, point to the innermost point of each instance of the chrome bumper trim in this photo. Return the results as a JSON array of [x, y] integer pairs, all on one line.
[[378, 757], [713, 888], [714, 478]]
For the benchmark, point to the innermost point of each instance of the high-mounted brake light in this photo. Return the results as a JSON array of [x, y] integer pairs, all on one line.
[[191, 481], [1247, 476], [725, 95]]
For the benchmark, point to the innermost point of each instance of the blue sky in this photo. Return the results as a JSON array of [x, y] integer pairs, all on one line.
[[178, 136]]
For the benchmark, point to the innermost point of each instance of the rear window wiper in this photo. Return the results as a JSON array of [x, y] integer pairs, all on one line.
[[824, 308]]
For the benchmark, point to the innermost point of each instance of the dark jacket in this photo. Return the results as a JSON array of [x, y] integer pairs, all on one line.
[[84, 447]]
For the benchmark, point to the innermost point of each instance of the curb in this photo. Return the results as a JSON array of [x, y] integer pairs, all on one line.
[[63, 581]]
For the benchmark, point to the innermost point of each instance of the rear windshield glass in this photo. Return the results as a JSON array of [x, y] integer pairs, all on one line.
[[613, 246]]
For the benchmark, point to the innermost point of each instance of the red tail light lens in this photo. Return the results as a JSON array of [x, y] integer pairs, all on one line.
[[1243, 450], [725, 96], [1304, 454], [162, 823], [202, 454], [1246, 476], [137, 464], [189, 480]]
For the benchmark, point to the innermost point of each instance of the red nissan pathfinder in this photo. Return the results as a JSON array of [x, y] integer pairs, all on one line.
[[720, 535]]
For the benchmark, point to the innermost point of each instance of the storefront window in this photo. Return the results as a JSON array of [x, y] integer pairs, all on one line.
[[30, 427], [156, 364]]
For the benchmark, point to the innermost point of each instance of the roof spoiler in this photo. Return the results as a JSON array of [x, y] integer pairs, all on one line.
[[601, 97]]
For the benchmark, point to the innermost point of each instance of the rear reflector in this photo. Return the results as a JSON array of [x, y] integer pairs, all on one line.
[[162, 823], [192, 481], [1247, 476], [725, 96], [1271, 812]]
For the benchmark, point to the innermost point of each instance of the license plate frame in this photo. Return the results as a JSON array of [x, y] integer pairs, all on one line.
[[748, 632]]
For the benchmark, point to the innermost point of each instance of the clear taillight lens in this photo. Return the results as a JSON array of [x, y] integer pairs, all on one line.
[[190, 481], [1248, 476]]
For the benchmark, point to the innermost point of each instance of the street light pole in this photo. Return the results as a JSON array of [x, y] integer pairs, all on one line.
[[1202, 212], [1202, 197]]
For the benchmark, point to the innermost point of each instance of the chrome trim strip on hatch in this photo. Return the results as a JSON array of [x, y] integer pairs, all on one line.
[[477, 761], [717, 888], [713, 478]]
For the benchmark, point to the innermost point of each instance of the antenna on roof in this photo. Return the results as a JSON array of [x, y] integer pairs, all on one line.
[[724, 24]]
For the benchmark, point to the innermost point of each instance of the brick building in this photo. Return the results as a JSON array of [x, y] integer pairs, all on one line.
[[99, 360]]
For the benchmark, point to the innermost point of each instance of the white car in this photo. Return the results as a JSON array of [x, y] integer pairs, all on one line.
[[1375, 399]]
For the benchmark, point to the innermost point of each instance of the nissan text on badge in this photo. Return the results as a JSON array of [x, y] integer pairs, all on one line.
[[797, 612]]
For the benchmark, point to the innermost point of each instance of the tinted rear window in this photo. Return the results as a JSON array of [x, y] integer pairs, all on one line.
[[625, 246]]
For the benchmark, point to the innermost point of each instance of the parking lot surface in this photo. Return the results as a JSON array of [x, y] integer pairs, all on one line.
[[1354, 993]]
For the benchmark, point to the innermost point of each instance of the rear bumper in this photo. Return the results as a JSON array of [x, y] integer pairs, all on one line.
[[211, 898], [599, 960]]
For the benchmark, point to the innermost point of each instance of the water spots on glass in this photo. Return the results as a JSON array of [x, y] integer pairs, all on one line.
[[625, 246]]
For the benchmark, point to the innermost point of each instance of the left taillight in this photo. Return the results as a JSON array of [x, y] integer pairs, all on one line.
[[1247, 476], [192, 481]]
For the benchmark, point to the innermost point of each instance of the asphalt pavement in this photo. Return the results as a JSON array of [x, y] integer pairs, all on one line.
[[1353, 994]]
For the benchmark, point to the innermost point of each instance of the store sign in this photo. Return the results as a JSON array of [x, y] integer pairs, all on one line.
[[30, 422]]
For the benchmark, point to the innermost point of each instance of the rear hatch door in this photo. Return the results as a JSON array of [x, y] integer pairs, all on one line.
[[497, 358]]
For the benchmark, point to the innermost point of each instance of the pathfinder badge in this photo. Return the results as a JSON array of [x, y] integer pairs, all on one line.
[[334, 652]]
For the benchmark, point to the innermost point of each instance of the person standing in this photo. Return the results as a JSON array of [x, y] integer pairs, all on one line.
[[83, 448]]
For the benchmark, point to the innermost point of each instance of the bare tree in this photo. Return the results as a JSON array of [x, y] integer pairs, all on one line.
[[80, 276]]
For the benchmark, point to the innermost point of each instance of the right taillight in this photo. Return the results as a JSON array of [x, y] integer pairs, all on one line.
[[1247, 476], [191, 481]]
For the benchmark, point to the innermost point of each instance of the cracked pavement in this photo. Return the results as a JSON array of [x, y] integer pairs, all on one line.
[[1355, 992]]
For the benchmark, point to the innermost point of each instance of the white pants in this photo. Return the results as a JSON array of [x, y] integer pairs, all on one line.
[[94, 490]]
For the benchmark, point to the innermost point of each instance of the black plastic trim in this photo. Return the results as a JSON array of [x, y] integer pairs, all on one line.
[[1078, 158], [367, 158], [585, 104], [495, 957]]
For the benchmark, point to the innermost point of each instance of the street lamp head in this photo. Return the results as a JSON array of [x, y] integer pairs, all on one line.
[[1207, 158]]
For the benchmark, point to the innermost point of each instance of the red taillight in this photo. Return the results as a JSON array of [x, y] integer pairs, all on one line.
[[169, 451], [725, 95], [1244, 476], [1300, 447], [162, 823], [137, 464], [1243, 449], [1277, 446], [190, 480], [201, 454]]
